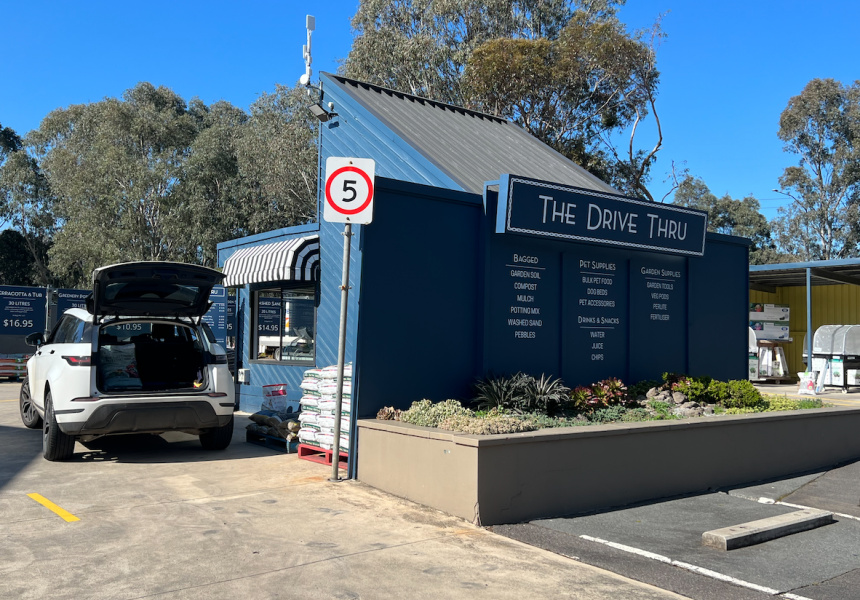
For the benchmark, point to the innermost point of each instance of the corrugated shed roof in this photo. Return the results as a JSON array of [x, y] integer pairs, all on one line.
[[468, 146], [822, 272]]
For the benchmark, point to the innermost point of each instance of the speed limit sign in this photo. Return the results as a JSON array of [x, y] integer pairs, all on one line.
[[349, 190]]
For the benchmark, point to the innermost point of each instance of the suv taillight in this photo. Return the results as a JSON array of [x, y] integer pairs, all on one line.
[[78, 361]]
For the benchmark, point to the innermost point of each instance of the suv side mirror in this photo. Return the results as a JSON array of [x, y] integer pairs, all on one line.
[[37, 338]]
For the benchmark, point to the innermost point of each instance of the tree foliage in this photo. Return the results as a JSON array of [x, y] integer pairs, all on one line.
[[149, 177], [17, 264], [26, 206], [822, 126], [277, 158], [567, 70], [731, 216], [574, 92]]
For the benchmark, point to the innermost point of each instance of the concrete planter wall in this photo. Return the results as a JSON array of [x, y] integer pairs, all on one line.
[[494, 479]]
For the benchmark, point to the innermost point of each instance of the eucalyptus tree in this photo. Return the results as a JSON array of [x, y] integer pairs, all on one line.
[[26, 206], [731, 216], [277, 160], [821, 125], [566, 70], [113, 167]]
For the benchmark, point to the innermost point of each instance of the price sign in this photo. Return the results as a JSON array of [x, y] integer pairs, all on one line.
[[18, 323], [349, 190], [67, 299], [22, 310]]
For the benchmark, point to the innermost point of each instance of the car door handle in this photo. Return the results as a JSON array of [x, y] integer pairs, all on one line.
[[51, 352]]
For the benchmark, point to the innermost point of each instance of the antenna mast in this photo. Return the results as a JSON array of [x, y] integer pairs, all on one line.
[[305, 79]]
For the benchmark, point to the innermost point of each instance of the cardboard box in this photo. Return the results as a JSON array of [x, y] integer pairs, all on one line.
[[753, 371], [769, 312], [768, 330]]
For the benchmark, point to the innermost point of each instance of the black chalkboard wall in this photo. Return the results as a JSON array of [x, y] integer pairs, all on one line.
[[446, 298]]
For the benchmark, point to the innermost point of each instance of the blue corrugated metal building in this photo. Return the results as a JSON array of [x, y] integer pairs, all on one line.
[[425, 273]]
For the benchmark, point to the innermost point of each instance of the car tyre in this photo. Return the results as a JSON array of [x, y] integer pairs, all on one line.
[[56, 445], [29, 414], [217, 438]]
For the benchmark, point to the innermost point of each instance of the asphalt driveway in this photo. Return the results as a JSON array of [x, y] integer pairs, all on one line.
[[661, 542]]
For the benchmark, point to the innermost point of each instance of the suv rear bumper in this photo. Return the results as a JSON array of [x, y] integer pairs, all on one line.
[[147, 417]]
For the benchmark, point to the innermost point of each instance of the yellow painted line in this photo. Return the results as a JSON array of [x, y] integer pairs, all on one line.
[[66, 515], [11, 400]]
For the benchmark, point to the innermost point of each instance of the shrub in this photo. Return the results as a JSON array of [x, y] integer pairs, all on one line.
[[545, 394], [544, 422], [662, 410], [521, 393], [427, 414], [641, 388], [609, 414], [488, 424], [633, 415], [492, 392], [775, 403], [742, 394], [696, 389], [603, 394], [719, 392]]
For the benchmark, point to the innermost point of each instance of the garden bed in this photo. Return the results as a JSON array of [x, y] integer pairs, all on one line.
[[511, 478]]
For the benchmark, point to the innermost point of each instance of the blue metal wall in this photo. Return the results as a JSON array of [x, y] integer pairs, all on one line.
[[357, 133], [716, 314]]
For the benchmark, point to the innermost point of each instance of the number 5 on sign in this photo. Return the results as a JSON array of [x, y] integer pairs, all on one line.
[[348, 195]]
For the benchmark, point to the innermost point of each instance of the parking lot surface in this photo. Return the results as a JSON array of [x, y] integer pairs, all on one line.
[[158, 517], [661, 542]]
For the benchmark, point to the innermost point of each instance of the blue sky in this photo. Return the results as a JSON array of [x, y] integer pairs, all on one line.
[[728, 68]]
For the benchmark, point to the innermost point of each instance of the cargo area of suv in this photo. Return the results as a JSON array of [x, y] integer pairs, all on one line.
[[146, 356]]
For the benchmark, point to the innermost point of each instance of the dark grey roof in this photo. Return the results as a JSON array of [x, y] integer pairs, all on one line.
[[822, 272], [468, 146]]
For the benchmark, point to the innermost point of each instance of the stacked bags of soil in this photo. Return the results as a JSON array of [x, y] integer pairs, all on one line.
[[318, 406]]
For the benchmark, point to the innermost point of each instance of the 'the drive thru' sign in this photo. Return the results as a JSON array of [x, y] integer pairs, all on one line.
[[557, 211]]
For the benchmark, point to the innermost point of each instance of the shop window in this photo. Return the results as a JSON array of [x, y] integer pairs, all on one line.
[[285, 323]]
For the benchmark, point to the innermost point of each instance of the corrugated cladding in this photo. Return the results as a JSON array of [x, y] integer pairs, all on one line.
[[466, 147], [831, 305]]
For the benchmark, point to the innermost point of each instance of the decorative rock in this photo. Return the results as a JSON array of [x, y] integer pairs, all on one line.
[[689, 412], [679, 397], [651, 393], [709, 410]]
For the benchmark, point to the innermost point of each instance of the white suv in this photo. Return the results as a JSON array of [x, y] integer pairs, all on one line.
[[138, 360]]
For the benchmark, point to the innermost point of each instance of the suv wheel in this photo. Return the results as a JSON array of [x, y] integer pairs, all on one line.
[[29, 415], [56, 445], [217, 438]]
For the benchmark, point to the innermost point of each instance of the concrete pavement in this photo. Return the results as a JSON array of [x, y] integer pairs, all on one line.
[[830, 395], [161, 518]]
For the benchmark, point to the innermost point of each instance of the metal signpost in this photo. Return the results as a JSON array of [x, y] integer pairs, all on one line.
[[348, 199]]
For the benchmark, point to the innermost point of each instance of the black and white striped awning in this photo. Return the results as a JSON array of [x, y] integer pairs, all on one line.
[[296, 259]]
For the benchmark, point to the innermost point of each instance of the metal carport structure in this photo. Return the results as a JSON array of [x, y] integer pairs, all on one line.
[[768, 278]]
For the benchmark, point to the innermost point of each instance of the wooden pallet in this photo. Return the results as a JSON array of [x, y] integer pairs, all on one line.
[[321, 455], [270, 441]]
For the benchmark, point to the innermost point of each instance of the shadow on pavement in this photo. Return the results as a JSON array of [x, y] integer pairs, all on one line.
[[19, 447], [170, 447]]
